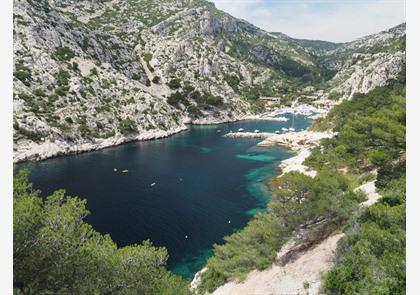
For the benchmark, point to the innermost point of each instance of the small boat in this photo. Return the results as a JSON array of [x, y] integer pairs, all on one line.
[[292, 129], [229, 221], [186, 237], [153, 184], [284, 129], [241, 129], [124, 171], [256, 131], [115, 169], [219, 130], [277, 132]]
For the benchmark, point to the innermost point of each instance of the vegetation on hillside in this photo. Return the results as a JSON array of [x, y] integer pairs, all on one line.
[[322, 203], [56, 252], [371, 131], [371, 137], [371, 257]]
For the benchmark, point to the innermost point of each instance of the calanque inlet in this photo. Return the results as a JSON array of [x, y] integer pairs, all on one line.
[[167, 147]]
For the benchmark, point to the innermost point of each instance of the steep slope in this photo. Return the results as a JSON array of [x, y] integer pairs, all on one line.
[[94, 74], [91, 74], [367, 62], [357, 66]]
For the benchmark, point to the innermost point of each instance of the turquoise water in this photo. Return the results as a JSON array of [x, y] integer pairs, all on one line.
[[205, 187]]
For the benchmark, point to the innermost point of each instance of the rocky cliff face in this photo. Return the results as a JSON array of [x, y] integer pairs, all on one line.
[[367, 62], [91, 74]]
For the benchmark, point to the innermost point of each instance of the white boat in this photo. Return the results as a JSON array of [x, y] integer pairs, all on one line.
[[292, 129], [153, 184], [241, 129], [277, 132], [256, 131], [284, 129]]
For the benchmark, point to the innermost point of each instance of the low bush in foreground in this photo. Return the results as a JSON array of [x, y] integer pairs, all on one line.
[[296, 200], [56, 252]]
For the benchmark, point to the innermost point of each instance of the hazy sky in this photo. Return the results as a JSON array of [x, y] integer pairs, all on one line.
[[331, 20]]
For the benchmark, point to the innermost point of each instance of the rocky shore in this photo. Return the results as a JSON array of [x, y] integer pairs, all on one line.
[[304, 274], [54, 148], [59, 146], [296, 141], [289, 277]]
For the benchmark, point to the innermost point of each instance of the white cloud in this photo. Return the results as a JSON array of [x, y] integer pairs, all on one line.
[[347, 21]]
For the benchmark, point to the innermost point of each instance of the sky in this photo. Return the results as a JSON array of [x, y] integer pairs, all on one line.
[[329, 20]]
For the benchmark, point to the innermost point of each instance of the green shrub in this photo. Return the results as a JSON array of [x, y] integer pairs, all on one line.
[[31, 135], [63, 54], [61, 91], [232, 80], [175, 98], [296, 199], [371, 131], [55, 251], [105, 84], [214, 100], [39, 92], [194, 111], [334, 95], [99, 125], [23, 74], [26, 97], [75, 67], [252, 248], [196, 95], [174, 83], [372, 259], [127, 126], [52, 98], [156, 80], [136, 77], [93, 72], [63, 78], [147, 57]]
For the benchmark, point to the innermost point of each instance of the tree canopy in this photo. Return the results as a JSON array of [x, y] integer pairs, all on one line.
[[56, 252]]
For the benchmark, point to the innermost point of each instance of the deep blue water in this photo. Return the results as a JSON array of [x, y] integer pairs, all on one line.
[[206, 187]]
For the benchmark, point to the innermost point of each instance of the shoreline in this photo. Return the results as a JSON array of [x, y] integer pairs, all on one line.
[[49, 150], [53, 149], [295, 141], [294, 163]]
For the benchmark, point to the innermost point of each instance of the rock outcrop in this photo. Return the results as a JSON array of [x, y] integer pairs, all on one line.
[[98, 73]]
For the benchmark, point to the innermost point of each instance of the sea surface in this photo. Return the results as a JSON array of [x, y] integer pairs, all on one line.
[[185, 192]]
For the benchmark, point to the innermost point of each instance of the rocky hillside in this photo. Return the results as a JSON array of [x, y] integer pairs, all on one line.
[[91, 74], [366, 63]]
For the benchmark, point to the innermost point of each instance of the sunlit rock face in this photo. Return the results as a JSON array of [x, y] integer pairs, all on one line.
[[89, 74]]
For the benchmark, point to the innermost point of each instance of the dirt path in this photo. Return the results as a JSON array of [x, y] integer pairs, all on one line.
[[290, 278], [370, 190]]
